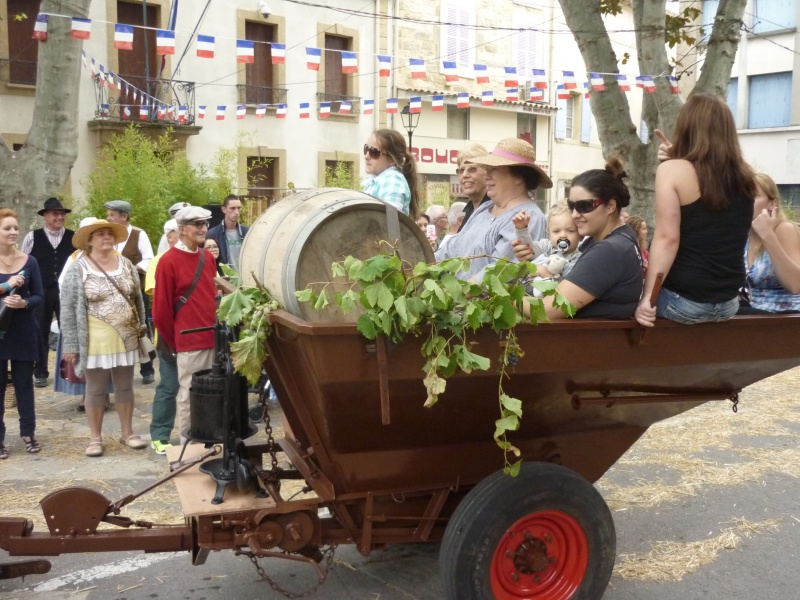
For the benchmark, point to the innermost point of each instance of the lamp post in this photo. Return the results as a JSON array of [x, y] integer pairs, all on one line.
[[410, 122]]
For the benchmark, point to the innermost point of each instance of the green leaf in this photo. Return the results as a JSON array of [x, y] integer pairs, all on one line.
[[537, 310], [433, 287], [231, 273], [303, 295], [546, 286], [233, 306], [496, 286], [401, 307], [385, 297], [337, 269], [511, 404], [453, 287], [567, 308], [349, 299], [507, 423], [367, 327], [420, 269], [321, 301], [248, 354], [513, 469], [469, 361]]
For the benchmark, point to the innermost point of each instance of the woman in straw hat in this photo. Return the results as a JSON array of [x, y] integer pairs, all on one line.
[[511, 175], [102, 319], [606, 281]]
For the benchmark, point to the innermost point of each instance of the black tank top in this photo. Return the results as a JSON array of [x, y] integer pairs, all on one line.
[[709, 265]]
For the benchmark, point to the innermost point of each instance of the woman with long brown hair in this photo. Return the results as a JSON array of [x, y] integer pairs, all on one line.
[[704, 206], [392, 171]]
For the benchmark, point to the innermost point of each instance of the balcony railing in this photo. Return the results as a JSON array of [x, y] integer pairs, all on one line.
[[261, 94], [163, 100], [336, 102]]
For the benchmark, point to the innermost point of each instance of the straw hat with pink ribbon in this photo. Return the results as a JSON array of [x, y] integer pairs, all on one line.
[[513, 152]]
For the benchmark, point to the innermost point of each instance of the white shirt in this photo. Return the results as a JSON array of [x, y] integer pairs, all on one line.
[[145, 248], [54, 237], [163, 244]]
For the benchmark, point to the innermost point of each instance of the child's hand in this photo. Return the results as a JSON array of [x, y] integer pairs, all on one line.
[[521, 220]]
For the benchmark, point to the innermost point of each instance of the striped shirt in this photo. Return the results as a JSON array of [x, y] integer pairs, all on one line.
[[390, 186]]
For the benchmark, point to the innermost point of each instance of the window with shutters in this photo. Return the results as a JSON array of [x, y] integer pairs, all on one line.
[[141, 65], [23, 50], [733, 95], [260, 74], [773, 15], [586, 119], [770, 100], [457, 35], [569, 115]]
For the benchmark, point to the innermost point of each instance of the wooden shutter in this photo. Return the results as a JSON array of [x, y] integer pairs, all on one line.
[[259, 75], [458, 37], [561, 119], [335, 80], [586, 121], [770, 100], [132, 62], [23, 50]]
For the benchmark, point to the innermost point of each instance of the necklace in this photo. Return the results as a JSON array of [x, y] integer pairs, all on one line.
[[13, 260]]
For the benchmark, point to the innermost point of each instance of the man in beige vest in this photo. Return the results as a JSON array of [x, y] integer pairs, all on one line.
[[137, 249]]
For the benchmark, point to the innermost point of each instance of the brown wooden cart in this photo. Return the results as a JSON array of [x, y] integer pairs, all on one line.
[[384, 470]]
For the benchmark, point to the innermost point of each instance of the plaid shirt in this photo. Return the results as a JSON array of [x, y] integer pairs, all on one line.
[[390, 186]]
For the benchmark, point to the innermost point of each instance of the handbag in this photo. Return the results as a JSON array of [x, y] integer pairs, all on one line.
[[147, 351], [68, 372]]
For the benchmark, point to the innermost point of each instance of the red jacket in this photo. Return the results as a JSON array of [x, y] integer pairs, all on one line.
[[174, 274]]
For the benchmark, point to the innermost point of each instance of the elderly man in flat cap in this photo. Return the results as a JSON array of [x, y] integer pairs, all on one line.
[[50, 246], [185, 298], [137, 249], [163, 244]]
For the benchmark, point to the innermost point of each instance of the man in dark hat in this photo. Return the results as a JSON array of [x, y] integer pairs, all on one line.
[[50, 246]]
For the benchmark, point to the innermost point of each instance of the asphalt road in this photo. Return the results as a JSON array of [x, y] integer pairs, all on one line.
[[706, 506]]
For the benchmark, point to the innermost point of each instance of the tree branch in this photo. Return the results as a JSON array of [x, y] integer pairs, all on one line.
[[721, 49]]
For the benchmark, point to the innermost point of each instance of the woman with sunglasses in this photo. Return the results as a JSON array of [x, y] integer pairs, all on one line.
[[704, 209], [606, 281], [392, 171], [511, 175]]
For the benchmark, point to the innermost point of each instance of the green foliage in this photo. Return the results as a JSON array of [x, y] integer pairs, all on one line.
[[675, 26], [432, 303], [341, 175], [249, 308]]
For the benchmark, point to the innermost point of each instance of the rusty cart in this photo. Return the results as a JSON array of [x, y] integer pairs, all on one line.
[[382, 469]]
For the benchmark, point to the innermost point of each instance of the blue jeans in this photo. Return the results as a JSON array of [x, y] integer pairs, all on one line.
[[681, 310], [22, 378], [164, 403]]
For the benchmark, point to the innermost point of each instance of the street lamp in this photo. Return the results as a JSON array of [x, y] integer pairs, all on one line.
[[410, 122]]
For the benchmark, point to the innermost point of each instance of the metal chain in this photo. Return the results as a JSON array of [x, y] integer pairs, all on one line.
[[327, 559], [264, 396], [735, 400]]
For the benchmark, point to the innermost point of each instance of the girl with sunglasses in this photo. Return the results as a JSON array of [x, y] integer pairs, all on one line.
[[392, 171], [606, 281], [704, 209]]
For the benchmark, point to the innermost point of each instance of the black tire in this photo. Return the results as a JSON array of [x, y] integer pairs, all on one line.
[[481, 527]]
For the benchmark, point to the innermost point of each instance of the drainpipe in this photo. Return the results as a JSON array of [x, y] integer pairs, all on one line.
[[550, 119], [395, 57]]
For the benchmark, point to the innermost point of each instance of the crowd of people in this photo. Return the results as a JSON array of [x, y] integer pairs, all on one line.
[[722, 245]]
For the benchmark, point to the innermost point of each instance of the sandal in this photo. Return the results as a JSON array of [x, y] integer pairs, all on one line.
[[3, 452], [133, 441], [95, 447], [31, 445]]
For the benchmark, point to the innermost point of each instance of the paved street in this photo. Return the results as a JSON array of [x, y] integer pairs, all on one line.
[[706, 505]]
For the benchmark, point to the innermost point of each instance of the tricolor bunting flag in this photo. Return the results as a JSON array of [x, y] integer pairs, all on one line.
[[83, 58], [324, 110], [512, 79], [126, 112], [165, 42], [104, 110], [81, 28], [280, 111], [345, 107], [102, 76], [536, 94], [586, 89], [481, 74], [92, 69], [649, 84], [278, 52], [561, 92], [462, 100], [512, 95], [598, 85], [418, 68], [201, 112], [123, 37], [539, 79], [313, 58], [384, 65], [221, 113], [182, 110], [449, 68], [391, 106], [241, 111], [639, 82], [673, 82], [161, 113], [305, 111], [569, 80], [415, 104], [349, 62], [144, 112], [369, 107], [261, 110], [205, 46], [40, 28], [487, 98], [245, 51], [622, 82], [437, 103]]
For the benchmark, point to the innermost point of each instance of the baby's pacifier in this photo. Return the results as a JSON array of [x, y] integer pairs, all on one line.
[[562, 244]]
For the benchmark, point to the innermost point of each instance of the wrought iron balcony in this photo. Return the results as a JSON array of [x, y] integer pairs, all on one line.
[[130, 98], [336, 102], [261, 94]]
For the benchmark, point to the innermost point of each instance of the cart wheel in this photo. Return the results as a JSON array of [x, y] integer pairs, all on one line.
[[546, 534]]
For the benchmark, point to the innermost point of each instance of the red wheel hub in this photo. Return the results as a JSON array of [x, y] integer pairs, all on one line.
[[543, 556]]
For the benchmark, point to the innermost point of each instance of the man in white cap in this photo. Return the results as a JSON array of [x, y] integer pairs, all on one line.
[[137, 249], [185, 298], [163, 244]]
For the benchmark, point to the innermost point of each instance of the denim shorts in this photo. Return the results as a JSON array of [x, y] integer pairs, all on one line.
[[675, 308]]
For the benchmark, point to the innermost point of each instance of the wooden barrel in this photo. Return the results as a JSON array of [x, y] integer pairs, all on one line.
[[295, 241]]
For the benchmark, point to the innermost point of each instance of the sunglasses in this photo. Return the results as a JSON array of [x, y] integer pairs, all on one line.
[[585, 206], [372, 151], [199, 224], [471, 170]]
